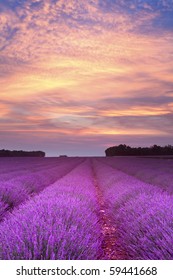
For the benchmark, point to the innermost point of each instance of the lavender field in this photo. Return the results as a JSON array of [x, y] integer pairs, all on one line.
[[86, 208]]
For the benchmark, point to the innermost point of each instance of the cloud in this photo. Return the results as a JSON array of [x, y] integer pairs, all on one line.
[[86, 68], [110, 116]]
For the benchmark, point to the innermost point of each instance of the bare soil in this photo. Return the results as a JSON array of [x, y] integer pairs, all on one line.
[[109, 250]]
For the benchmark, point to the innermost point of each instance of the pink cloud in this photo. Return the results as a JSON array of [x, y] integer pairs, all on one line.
[[76, 51]]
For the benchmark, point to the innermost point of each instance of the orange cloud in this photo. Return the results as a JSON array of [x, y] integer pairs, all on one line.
[[75, 51], [4, 110]]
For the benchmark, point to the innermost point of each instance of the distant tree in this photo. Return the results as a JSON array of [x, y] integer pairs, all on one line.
[[14, 153], [123, 150]]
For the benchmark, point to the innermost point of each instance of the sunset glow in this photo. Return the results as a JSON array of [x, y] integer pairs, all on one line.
[[87, 73]]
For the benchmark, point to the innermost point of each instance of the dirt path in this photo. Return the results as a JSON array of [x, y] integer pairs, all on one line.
[[107, 227]]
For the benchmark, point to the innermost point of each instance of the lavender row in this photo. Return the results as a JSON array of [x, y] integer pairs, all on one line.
[[142, 214], [19, 174], [18, 190], [27, 166], [59, 223], [154, 171], [10, 164]]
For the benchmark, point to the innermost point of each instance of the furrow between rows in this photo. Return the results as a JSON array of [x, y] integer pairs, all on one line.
[[18, 191], [60, 223], [108, 227], [142, 214]]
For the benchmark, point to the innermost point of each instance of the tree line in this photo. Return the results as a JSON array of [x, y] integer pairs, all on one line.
[[14, 153], [124, 150]]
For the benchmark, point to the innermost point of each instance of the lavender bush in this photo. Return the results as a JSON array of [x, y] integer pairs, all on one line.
[[142, 213], [51, 210], [59, 223], [145, 227], [150, 170], [17, 190]]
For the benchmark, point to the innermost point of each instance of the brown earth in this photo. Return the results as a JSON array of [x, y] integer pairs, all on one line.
[[110, 252]]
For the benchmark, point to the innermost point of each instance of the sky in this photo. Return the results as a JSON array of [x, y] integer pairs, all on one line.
[[78, 76]]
